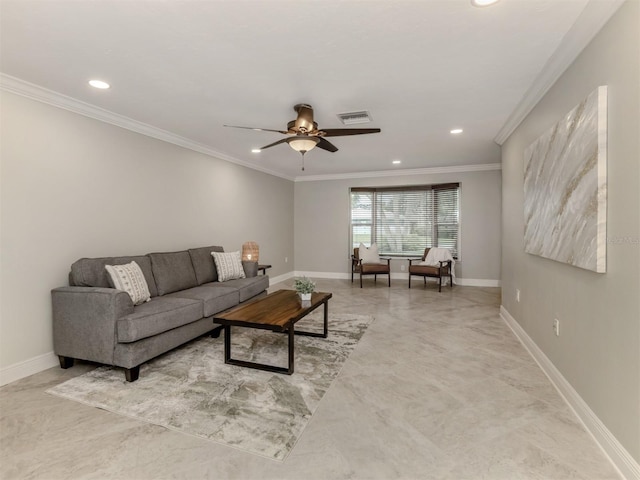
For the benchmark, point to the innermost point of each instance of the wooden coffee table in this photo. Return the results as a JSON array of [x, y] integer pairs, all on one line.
[[278, 311]]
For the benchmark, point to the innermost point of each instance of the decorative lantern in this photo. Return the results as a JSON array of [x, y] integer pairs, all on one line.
[[250, 252]]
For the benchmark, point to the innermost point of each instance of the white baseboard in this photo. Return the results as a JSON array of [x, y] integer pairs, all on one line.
[[617, 454], [28, 367], [467, 282], [340, 276], [281, 278], [478, 282]]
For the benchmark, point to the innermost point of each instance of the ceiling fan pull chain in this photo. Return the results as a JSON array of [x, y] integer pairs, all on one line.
[[303, 160]]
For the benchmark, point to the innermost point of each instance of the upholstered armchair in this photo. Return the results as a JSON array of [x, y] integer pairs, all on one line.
[[441, 269], [365, 267]]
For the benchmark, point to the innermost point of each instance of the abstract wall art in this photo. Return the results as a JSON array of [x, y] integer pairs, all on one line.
[[565, 188]]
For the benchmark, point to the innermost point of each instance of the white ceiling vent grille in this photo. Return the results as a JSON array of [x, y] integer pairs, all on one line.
[[351, 118]]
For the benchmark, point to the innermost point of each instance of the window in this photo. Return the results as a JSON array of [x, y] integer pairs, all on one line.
[[406, 220]]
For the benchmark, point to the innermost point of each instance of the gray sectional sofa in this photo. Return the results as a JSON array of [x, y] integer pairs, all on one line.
[[94, 322]]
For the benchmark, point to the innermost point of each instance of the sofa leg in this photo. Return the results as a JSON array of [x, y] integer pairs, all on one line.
[[132, 374], [65, 362], [215, 333]]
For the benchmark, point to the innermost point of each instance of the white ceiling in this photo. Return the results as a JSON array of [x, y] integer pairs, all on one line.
[[188, 67]]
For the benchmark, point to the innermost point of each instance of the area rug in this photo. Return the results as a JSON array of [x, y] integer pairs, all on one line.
[[191, 390]]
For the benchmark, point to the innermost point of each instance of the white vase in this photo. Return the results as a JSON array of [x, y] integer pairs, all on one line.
[[305, 297]]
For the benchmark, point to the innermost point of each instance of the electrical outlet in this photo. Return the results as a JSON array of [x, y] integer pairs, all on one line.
[[518, 295], [556, 327]]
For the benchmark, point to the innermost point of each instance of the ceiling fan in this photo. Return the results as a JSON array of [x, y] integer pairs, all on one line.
[[304, 135]]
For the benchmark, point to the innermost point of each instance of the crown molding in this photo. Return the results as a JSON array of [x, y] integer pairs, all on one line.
[[396, 173], [594, 16], [44, 95]]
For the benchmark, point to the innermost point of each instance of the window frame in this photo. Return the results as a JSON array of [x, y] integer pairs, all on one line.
[[407, 188]]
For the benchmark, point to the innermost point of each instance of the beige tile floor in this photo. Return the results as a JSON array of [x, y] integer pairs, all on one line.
[[438, 388]]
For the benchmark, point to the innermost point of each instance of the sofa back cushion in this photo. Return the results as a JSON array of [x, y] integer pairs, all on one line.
[[173, 271], [203, 264], [90, 272]]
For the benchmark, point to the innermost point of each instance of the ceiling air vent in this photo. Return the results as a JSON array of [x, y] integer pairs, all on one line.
[[351, 118]]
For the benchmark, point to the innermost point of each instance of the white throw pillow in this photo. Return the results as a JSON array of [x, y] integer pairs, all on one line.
[[369, 254], [228, 265], [129, 278]]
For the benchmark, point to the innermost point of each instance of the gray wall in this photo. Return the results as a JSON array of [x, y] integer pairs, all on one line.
[[74, 187], [322, 210], [598, 350]]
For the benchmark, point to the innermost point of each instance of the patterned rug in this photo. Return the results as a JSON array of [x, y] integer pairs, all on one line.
[[191, 390]]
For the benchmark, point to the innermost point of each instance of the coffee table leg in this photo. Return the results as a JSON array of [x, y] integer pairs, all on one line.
[[325, 331], [259, 366], [291, 344], [227, 343], [326, 319]]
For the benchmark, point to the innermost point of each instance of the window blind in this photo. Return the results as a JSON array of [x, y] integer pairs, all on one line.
[[447, 221], [406, 220]]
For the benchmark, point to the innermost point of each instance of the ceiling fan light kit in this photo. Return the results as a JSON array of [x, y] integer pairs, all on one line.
[[304, 134], [303, 144]]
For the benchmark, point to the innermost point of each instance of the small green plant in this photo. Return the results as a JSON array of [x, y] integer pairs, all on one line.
[[304, 285]]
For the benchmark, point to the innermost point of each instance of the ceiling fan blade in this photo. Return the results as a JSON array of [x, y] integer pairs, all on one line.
[[341, 132], [283, 140], [326, 145], [258, 129]]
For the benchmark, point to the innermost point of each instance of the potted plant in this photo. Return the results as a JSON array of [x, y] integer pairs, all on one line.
[[305, 287]]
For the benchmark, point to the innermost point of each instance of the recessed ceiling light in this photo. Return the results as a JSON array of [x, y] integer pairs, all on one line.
[[99, 84], [396, 162], [456, 131], [256, 150], [483, 3]]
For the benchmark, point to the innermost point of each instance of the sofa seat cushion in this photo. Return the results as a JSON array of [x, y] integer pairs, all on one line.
[[248, 287], [214, 297], [173, 271], [157, 316]]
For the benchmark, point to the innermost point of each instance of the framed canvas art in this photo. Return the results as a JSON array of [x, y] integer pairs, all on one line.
[[565, 187]]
